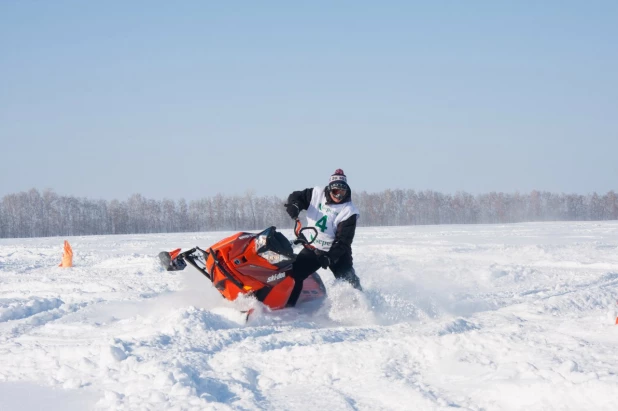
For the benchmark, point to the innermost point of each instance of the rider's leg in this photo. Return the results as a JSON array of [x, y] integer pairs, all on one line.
[[343, 270], [306, 263]]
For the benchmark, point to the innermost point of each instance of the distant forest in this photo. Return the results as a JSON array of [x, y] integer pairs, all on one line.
[[36, 214]]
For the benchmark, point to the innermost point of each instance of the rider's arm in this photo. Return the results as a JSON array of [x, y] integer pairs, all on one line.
[[343, 238], [301, 198]]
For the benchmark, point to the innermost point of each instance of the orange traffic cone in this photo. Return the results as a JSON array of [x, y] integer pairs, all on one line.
[[67, 256]]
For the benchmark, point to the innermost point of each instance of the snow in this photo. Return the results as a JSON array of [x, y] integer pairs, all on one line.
[[485, 317]]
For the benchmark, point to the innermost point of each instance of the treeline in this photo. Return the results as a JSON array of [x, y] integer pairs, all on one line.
[[35, 214]]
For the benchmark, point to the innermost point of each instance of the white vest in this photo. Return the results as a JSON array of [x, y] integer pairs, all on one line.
[[325, 218]]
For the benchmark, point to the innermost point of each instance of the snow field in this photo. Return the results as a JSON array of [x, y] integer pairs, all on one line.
[[503, 317]]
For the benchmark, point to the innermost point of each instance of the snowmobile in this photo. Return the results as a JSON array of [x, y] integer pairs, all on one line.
[[258, 265]]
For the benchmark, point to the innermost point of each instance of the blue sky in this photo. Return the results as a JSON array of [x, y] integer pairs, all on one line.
[[194, 98]]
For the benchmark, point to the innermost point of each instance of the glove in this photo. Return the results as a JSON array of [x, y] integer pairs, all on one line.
[[293, 210], [322, 258]]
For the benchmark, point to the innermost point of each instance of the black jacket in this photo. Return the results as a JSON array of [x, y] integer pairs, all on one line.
[[345, 230]]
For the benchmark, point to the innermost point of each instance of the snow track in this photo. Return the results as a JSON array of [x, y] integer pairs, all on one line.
[[473, 317]]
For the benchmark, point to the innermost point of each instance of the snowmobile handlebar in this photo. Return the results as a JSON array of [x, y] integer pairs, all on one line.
[[300, 237]]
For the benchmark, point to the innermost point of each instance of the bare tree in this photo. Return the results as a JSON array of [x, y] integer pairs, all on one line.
[[32, 214]]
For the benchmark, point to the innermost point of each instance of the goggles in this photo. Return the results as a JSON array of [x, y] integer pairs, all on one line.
[[338, 193]]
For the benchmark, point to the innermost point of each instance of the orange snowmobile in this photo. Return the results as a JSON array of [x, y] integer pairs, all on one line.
[[254, 264]]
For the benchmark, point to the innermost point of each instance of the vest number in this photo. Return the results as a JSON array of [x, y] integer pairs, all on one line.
[[321, 223]]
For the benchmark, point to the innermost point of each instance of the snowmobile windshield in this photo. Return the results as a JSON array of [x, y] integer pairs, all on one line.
[[274, 247]]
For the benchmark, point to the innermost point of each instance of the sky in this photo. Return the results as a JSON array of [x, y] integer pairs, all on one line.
[[191, 99], [466, 317]]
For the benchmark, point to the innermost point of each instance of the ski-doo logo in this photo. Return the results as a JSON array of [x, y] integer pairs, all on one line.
[[242, 237], [275, 277]]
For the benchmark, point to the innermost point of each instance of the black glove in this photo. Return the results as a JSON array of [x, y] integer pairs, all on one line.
[[322, 258], [293, 210]]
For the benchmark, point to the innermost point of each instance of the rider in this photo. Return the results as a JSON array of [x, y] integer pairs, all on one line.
[[331, 211]]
